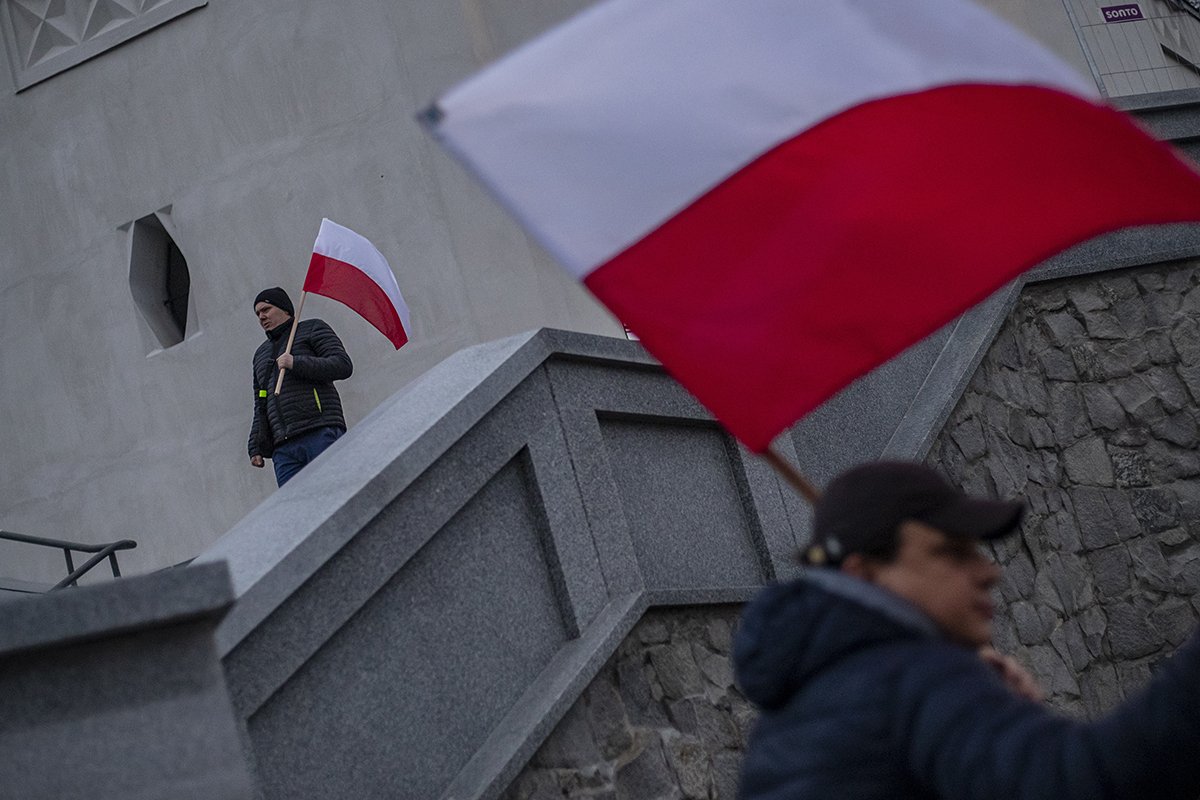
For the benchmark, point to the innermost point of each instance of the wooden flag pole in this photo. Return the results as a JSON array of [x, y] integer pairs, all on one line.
[[792, 476], [291, 338]]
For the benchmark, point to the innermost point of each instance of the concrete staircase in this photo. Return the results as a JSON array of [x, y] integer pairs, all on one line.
[[418, 608]]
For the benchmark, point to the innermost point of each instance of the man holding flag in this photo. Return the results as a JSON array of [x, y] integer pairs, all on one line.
[[296, 425], [296, 419]]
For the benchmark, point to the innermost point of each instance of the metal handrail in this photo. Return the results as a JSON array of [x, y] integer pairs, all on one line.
[[102, 551]]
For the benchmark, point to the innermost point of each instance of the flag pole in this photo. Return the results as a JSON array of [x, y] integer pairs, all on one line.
[[291, 338], [792, 476]]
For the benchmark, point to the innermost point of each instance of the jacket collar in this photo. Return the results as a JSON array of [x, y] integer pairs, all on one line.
[[873, 597], [279, 331]]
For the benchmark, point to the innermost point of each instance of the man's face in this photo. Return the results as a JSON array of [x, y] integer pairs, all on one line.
[[269, 316], [950, 579]]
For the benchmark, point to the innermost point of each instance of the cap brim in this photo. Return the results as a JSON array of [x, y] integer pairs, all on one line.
[[977, 518]]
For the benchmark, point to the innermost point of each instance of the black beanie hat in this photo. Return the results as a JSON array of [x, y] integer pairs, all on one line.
[[276, 297]]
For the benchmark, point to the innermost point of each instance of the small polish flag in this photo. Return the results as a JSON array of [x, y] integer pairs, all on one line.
[[777, 196], [347, 268]]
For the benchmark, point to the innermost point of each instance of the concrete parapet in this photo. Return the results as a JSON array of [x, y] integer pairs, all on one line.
[[116, 691]]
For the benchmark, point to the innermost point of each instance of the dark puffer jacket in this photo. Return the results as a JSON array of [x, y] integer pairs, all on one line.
[[860, 698], [307, 400]]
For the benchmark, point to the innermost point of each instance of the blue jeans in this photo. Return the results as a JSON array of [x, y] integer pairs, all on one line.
[[291, 456]]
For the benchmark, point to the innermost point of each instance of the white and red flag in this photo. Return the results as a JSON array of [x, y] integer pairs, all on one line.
[[346, 267], [776, 196]]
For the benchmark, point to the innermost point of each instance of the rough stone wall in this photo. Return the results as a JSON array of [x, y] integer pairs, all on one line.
[[1086, 406], [662, 720]]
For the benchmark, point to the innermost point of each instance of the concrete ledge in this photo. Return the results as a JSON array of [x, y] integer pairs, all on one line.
[[129, 605]]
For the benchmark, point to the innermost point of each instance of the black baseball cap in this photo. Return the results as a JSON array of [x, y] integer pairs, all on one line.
[[862, 509]]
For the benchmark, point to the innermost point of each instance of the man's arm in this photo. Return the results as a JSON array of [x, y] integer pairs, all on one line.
[[968, 735], [1153, 738], [329, 361]]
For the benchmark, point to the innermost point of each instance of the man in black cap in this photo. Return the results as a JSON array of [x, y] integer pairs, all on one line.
[[875, 679], [306, 418]]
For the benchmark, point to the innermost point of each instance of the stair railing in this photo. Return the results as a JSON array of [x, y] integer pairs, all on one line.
[[101, 552]]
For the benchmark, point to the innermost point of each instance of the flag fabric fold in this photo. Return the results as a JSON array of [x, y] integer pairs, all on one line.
[[776, 197], [346, 267]]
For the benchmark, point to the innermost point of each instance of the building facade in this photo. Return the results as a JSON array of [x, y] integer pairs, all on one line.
[[164, 160]]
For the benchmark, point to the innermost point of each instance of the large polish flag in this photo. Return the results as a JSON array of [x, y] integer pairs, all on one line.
[[776, 196], [346, 267]]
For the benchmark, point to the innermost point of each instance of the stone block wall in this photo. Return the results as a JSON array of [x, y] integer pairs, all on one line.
[[1087, 406], [661, 721]]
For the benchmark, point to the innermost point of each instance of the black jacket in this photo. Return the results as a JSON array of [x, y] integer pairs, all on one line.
[[307, 400], [862, 700]]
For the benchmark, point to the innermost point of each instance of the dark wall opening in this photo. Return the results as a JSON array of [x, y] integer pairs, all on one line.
[[159, 280]]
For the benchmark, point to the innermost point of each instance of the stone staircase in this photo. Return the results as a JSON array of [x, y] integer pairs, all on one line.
[[418, 609]]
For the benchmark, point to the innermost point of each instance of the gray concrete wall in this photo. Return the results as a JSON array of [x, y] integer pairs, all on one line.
[[247, 123], [1049, 23]]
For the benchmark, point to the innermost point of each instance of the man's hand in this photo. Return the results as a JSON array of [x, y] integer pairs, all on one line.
[[284, 361], [1015, 676], [256, 461]]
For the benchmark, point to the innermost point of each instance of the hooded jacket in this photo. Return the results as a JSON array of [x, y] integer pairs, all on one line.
[[862, 699], [307, 400]]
